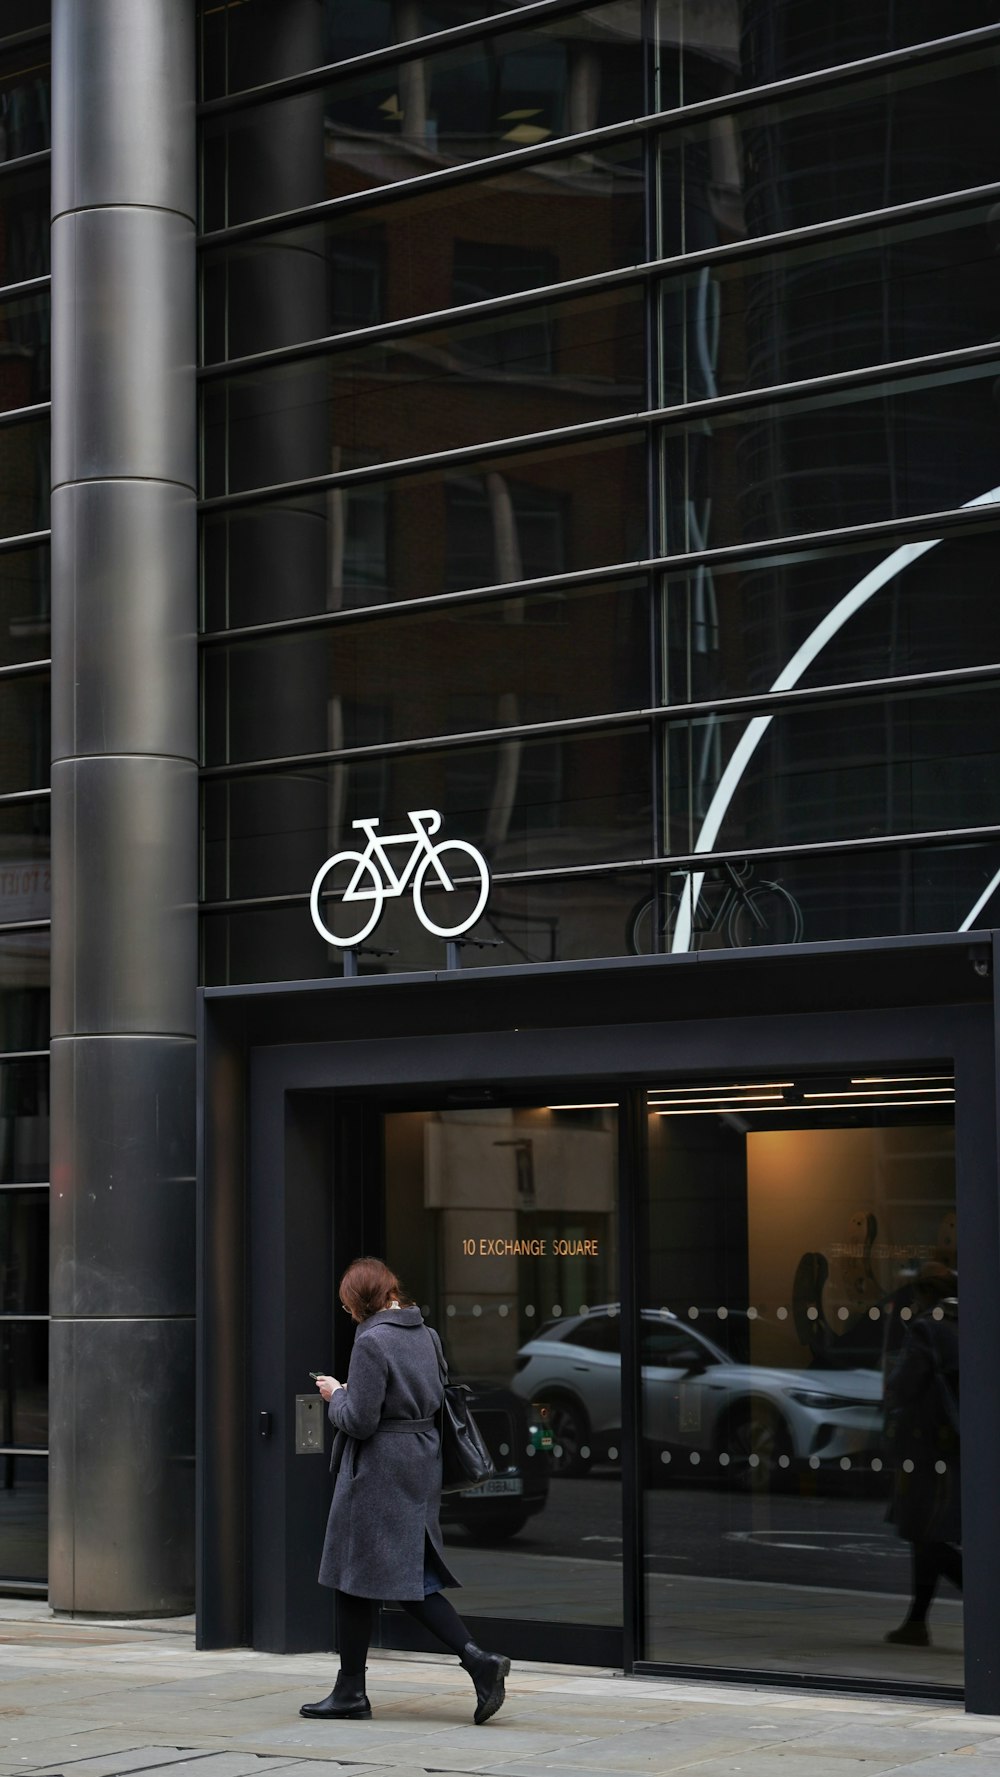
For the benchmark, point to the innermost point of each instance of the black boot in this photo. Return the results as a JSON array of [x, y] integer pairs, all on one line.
[[346, 1702], [487, 1672]]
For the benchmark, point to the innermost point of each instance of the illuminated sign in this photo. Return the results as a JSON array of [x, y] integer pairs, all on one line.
[[445, 866]]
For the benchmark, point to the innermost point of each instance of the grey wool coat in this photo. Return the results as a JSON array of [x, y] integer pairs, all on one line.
[[386, 1498]]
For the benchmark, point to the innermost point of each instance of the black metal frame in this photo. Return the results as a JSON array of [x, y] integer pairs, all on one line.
[[274, 1059]]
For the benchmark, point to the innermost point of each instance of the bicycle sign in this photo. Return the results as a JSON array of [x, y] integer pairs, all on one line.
[[444, 865]]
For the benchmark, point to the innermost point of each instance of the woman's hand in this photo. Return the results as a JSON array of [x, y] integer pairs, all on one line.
[[328, 1385]]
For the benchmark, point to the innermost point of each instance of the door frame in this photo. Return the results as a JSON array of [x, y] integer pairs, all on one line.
[[904, 1002]]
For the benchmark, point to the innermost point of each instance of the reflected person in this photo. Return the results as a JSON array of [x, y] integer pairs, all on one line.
[[383, 1537], [922, 1397]]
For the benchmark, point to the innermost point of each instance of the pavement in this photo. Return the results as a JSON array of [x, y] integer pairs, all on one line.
[[100, 1699]]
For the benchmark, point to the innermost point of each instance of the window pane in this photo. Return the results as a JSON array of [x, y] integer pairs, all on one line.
[[909, 762], [24, 733], [530, 804], [887, 140], [372, 542], [854, 613], [863, 894], [24, 1122], [24, 1518], [25, 99], [901, 292], [537, 659], [24, 352], [543, 368], [794, 1242], [24, 961], [516, 230], [704, 51], [25, 604], [24, 209], [523, 922], [545, 1194], [24, 1257], [920, 444], [24, 477], [396, 122], [24, 1382]]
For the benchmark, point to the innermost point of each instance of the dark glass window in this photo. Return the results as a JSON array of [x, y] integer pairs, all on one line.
[[24, 477], [24, 1255], [573, 217], [303, 693], [24, 350], [860, 147], [25, 603], [25, 98], [394, 122], [24, 1383], [24, 958], [24, 733], [24, 1518], [24, 1121], [24, 206], [493, 522], [921, 443], [598, 1332], [921, 286], [844, 613], [562, 365]]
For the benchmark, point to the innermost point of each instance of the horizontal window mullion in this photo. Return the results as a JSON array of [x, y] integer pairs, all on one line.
[[954, 521], [676, 416], [23, 1054], [495, 25], [26, 540], [687, 861], [24, 925], [10, 797], [37, 1185], [812, 696], [651, 270], [20, 416], [24, 669], [723, 105], [14, 1316], [25, 287], [25, 163]]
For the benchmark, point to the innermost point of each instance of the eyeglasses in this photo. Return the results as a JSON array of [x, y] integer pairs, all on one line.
[[345, 1307]]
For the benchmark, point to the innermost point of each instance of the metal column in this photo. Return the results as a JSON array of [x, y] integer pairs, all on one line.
[[124, 806]]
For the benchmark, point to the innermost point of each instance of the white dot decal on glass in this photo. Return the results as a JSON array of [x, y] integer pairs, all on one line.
[[530, 1450], [503, 1311], [937, 1313], [477, 1310], [450, 1309], [751, 1314], [754, 1460], [692, 1314], [695, 1459], [812, 1313], [612, 1311], [814, 1462], [425, 1310], [783, 1461], [556, 1310], [724, 1458], [877, 1464], [664, 1455], [782, 1313], [845, 1462], [940, 1468], [908, 1465], [906, 1313], [612, 1453], [843, 1313], [585, 1451], [505, 1449], [583, 1309], [723, 1313], [530, 1312], [557, 1450], [874, 1313]]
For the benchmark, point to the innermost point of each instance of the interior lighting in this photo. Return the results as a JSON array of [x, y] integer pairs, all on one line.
[[610, 1105], [787, 1110], [891, 1079], [734, 1086], [882, 1092], [749, 1098]]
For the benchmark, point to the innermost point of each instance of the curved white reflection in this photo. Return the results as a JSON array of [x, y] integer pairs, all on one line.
[[757, 727]]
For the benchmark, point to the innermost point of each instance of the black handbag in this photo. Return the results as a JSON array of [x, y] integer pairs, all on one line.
[[465, 1459]]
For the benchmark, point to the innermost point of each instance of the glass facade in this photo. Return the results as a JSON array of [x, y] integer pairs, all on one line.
[[25, 889]]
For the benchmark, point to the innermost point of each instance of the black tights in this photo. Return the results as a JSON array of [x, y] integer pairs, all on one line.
[[931, 1562], [354, 1626]]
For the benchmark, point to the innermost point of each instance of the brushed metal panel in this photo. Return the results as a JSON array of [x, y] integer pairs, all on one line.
[[122, 1466], [122, 1208], [123, 346], [123, 104], [124, 648], [124, 915]]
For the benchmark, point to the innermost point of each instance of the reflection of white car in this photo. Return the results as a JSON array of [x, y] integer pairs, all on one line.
[[694, 1399]]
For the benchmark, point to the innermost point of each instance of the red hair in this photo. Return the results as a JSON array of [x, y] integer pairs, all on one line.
[[368, 1286]]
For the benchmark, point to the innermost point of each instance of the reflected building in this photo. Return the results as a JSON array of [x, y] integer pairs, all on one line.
[[577, 426]]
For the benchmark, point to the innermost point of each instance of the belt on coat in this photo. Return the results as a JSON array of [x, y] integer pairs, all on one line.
[[407, 1425]]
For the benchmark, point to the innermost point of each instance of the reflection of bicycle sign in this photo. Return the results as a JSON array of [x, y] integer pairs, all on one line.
[[747, 912], [426, 866]]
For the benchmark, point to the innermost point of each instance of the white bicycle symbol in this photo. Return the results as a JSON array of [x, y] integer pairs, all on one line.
[[424, 858]]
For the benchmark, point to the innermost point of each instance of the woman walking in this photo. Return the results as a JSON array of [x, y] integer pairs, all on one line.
[[383, 1539]]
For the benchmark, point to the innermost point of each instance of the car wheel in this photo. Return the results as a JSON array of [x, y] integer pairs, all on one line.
[[570, 1438], [755, 1439], [495, 1527]]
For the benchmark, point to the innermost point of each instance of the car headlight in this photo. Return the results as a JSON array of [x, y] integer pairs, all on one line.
[[815, 1397]]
